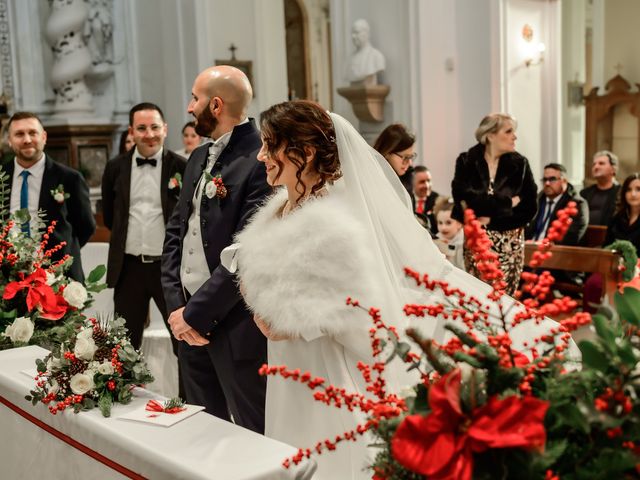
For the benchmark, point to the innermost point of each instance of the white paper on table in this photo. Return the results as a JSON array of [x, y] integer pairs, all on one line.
[[160, 418]]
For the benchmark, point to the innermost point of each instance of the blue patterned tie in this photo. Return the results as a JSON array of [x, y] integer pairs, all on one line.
[[24, 199]]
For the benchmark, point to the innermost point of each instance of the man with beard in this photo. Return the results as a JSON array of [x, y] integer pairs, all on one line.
[[602, 195], [138, 196], [221, 348], [39, 183], [556, 193]]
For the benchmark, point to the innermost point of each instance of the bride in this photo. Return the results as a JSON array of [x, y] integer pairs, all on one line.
[[341, 227]]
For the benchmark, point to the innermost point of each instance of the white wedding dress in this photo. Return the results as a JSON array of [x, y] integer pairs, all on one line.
[[297, 271]]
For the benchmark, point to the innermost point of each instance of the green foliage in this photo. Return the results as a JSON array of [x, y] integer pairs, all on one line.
[[104, 404], [593, 420], [629, 257]]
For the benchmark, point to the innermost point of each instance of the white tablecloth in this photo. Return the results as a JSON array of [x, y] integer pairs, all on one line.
[[200, 447]]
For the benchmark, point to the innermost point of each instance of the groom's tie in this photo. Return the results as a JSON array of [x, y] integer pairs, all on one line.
[[214, 152]]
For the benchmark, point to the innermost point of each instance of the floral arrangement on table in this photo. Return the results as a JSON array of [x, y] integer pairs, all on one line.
[[38, 302], [95, 365], [484, 410]]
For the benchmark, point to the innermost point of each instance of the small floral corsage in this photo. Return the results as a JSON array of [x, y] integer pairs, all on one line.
[[59, 194], [214, 186], [175, 182]]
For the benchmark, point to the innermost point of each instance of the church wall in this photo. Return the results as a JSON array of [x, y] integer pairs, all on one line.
[[574, 23], [622, 40], [440, 68], [531, 93], [196, 33]]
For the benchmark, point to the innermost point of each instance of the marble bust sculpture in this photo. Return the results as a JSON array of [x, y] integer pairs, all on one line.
[[366, 61]]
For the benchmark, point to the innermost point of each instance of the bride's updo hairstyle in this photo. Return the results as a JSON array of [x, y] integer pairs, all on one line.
[[290, 127]]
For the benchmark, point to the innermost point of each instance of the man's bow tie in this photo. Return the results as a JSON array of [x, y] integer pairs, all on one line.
[[146, 161]]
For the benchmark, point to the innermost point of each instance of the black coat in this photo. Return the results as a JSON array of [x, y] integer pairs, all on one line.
[[579, 223], [513, 178], [218, 303], [75, 220], [116, 192], [619, 229]]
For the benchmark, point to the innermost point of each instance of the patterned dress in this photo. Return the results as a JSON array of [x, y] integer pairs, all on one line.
[[509, 245]]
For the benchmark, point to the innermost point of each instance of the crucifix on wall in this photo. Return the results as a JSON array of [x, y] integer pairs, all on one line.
[[244, 65]]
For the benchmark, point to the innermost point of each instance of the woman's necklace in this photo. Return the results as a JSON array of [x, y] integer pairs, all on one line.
[[288, 207], [492, 166]]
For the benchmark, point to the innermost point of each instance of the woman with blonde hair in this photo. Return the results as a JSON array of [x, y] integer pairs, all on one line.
[[496, 182]]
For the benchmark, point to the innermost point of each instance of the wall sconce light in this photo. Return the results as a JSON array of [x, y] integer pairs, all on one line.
[[534, 51]]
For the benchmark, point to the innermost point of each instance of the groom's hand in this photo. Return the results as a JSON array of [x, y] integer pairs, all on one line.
[[182, 331]]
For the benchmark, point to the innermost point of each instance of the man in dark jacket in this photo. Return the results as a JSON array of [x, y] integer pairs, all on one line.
[[221, 348], [38, 183], [556, 193], [602, 195]]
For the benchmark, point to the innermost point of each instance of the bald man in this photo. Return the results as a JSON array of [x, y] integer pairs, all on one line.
[[221, 349]]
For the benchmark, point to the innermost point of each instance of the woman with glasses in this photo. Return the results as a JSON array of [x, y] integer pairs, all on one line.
[[496, 182], [396, 144]]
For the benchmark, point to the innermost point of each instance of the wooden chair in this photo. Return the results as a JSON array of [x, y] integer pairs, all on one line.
[[583, 259]]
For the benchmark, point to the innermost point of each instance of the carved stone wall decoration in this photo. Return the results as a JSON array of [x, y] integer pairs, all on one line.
[[71, 58]]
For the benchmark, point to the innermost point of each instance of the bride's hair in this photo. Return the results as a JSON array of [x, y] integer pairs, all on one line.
[[292, 126]]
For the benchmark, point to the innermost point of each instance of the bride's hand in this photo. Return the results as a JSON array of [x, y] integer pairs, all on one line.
[[266, 330]]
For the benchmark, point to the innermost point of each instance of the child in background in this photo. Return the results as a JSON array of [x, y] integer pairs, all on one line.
[[450, 232]]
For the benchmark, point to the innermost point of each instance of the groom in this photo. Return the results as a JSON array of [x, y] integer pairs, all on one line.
[[221, 348]]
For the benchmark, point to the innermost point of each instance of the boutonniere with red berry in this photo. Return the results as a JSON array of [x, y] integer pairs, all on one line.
[[59, 195], [214, 186], [175, 182]]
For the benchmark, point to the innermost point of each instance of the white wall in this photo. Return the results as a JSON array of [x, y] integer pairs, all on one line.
[[531, 93], [196, 33], [440, 66]]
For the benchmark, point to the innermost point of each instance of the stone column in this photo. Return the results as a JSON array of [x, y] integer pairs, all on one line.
[[71, 59]]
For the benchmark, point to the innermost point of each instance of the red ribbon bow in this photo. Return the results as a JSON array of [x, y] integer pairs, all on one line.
[[155, 406]]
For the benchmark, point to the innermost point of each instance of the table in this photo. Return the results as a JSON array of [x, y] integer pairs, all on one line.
[[36, 444]]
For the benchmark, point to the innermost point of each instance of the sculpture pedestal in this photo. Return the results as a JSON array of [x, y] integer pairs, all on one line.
[[367, 101]]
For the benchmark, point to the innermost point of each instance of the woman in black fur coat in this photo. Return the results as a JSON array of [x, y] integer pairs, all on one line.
[[496, 182]]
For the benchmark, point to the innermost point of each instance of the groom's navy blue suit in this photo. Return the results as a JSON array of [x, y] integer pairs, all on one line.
[[223, 375]]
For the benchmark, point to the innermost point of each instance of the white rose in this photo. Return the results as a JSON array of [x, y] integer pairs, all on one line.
[[106, 368], [20, 330], [75, 294], [85, 333], [85, 348], [210, 190], [81, 383], [59, 197]]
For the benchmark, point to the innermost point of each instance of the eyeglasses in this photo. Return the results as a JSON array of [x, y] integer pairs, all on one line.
[[406, 158], [549, 179]]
